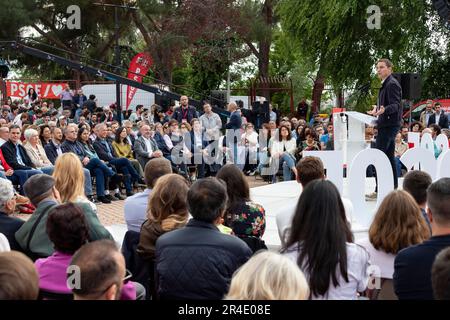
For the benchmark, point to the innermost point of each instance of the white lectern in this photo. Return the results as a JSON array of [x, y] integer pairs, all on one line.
[[349, 133]]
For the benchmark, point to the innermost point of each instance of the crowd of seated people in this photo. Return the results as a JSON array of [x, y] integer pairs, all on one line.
[[194, 232]]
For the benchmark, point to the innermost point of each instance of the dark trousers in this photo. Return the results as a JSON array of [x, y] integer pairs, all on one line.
[[21, 176], [123, 165], [386, 143], [101, 172]]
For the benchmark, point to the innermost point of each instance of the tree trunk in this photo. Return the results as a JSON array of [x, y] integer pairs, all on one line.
[[319, 85], [264, 48], [339, 98]]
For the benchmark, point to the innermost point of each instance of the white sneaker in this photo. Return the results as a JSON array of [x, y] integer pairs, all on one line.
[[371, 197]]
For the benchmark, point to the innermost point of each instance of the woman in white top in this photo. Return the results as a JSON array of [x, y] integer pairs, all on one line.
[[397, 224], [249, 139], [321, 244], [36, 152], [282, 150]]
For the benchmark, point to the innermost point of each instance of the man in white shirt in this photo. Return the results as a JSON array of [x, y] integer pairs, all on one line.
[[146, 147], [135, 207], [308, 169], [211, 123]]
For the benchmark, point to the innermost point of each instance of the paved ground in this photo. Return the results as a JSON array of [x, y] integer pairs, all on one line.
[[111, 214]]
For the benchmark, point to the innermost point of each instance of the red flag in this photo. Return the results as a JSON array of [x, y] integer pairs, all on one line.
[[139, 67]]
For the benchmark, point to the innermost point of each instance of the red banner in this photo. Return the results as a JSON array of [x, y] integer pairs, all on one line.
[[44, 90], [139, 67]]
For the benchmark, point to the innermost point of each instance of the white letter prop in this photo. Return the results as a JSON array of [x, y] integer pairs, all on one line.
[[414, 138], [415, 156], [357, 179], [442, 142], [426, 142], [333, 161], [443, 164]]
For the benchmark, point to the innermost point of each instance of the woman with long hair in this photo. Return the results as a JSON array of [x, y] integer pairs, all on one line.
[[103, 174], [282, 151], [45, 134], [69, 180], [246, 218], [321, 243], [123, 149], [398, 224], [167, 210]]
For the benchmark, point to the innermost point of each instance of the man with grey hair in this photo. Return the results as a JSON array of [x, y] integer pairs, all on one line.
[[93, 165], [4, 134], [32, 236], [8, 225]]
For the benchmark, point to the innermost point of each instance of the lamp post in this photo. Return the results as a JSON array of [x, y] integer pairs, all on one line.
[[116, 51]]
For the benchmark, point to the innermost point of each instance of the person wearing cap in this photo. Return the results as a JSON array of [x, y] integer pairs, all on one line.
[[32, 236]]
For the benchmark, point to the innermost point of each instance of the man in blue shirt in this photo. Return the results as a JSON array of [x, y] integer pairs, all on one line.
[[135, 207]]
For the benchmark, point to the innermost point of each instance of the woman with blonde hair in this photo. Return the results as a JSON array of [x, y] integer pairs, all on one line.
[[69, 179], [167, 211], [398, 224], [268, 276]]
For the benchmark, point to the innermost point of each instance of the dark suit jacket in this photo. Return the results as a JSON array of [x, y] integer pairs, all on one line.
[[235, 121], [101, 150], [9, 152], [390, 97], [9, 226], [50, 151], [74, 147], [190, 143], [443, 120], [412, 269], [191, 114], [141, 151]]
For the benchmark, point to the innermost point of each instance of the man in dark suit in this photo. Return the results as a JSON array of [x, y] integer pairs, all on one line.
[[105, 152], [8, 225], [389, 112], [185, 113], [233, 130], [16, 156], [412, 266], [439, 117]]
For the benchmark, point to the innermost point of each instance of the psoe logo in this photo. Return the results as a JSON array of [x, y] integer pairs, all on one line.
[[374, 18], [74, 20]]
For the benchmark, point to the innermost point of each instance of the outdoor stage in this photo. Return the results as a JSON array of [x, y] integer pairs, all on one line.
[[273, 197]]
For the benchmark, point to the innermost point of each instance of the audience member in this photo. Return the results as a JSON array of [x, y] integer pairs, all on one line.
[[167, 211], [36, 152], [8, 224], [321, 244], [440, 275], [397, 224], [309, 169], [282, 150], [412, 267], [416, 184], [18, 277], [135, 207], [146, 147], [198, 261], [246, 218], [268, 276]]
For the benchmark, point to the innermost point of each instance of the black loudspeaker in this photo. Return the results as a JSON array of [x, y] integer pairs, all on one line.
[[411, 85]]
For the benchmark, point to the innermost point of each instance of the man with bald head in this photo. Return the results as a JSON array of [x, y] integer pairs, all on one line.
[[185, 113], [145, 146]]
